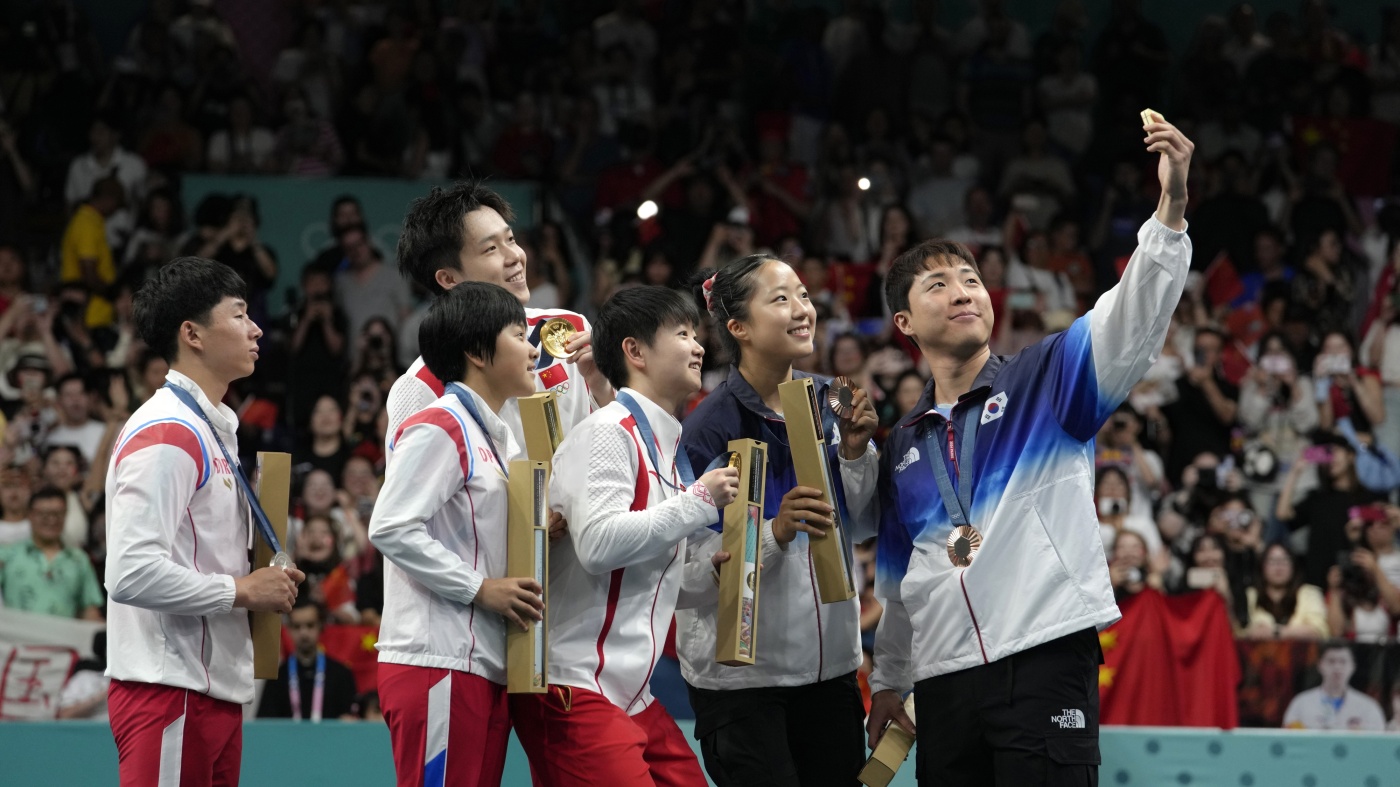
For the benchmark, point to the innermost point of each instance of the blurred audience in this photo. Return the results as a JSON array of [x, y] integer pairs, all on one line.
[[1256, 459]]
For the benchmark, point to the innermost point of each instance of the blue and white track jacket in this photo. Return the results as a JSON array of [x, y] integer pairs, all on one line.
[[1041, 572]]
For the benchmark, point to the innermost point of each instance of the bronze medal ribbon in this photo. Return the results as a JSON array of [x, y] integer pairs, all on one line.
[[965, 540]]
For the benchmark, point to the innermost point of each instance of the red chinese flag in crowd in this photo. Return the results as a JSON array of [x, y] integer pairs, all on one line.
[[1170, 662], [1138, 679], [1204, 643], [1365, 147], [353, 646], [1222, 281]]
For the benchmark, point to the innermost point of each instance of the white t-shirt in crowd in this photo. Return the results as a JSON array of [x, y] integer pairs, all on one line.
[[14, 532], [255, 147], [1056, 287], [1069, 125], [86, 438], [1314, 710], [1150, 535], [544, 296], [1371, 625], [1390, 566]]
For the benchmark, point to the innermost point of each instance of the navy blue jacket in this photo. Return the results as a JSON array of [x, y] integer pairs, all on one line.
[[800, 640]]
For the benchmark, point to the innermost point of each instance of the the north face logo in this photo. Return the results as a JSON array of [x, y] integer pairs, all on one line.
[[909, 459], [1071, 719]]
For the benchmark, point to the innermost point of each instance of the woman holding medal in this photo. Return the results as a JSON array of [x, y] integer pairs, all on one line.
[[794, 716]]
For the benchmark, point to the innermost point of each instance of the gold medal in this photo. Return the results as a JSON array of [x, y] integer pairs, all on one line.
[[963, 544], [555, 334], [841, 396]]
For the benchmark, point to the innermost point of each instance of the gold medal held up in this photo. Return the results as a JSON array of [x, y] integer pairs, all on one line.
[[555, 335], [841, 396], [963, 544]]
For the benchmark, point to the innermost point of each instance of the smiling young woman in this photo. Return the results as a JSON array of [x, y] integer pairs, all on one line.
[[794, 716]]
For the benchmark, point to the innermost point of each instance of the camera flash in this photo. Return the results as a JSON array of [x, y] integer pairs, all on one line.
[[646, 210], [863, 184]]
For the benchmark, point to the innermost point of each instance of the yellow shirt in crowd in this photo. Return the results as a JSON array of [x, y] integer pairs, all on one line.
[[1310, 611], [86, 239]]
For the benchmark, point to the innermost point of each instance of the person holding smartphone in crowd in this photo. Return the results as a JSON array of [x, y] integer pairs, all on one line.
[[1119, 445], [1203, 416], [320, 331], [1324, 510], [1278, 410], [1345, 389], [1362, 602]]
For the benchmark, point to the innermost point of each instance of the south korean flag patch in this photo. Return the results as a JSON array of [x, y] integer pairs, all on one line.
[[994, 408]]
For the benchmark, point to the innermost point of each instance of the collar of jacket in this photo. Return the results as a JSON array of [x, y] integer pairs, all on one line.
[[749, 398], [980, 386]]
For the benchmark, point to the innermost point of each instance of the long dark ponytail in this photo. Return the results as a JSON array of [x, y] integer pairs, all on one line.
[[725, 294]]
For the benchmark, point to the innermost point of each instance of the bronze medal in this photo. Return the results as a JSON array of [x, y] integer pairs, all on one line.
[[841, 396], [555, 334], [963, 544]]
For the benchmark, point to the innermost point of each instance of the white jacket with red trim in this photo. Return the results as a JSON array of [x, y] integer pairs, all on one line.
[[615, 581], [417, 388], [441, 523], [178, 532]]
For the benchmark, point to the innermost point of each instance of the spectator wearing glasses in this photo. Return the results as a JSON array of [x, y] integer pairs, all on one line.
[[1120, 445], [1240, 531], [44, 576], [1203, 416], [1280, 605]]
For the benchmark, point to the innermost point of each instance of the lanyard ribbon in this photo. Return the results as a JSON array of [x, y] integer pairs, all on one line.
[[545, 360], [683, 467], [959, 504], [259, 515], [469, 403], [318, 692]]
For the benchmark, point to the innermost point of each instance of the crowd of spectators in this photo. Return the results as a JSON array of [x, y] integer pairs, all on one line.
[[1258, 457]]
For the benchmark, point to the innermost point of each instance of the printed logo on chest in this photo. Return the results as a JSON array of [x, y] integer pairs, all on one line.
[[994, 408], [910, 457]]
